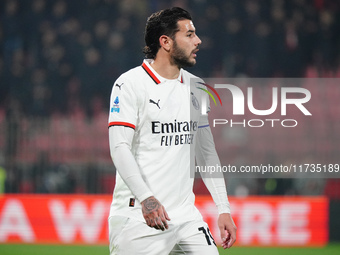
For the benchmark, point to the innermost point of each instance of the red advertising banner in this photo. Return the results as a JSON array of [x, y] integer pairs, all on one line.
[[274, 221], [54, 218], [82, 219]]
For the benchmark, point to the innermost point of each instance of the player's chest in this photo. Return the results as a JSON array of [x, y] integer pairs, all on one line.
[[169, 101]]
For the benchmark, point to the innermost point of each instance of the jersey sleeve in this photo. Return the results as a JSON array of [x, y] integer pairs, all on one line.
[[120, 139], [206, 155], [123, 104], [122, 123]]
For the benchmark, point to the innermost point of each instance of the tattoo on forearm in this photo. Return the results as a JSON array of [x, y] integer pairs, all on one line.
[[150, 204]]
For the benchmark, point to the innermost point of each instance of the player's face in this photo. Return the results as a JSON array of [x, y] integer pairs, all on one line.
[[185, 45]]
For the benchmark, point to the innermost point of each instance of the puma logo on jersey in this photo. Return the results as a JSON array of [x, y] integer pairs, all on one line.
[[119, 85], [153, 102]]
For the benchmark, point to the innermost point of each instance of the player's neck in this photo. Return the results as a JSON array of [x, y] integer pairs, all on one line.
[[165, 69]]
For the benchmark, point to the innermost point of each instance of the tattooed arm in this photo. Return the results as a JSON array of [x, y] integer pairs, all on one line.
[[154, 213], [120, 144]]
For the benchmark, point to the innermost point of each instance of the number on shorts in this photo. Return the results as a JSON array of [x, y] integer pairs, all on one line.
[[207, 235]]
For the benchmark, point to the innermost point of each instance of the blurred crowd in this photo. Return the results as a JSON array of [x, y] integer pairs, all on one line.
[[61, 57], [58, 55]]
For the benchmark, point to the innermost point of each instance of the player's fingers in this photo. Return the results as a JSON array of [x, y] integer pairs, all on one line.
[[231, 242], [223, 233], [225, 238], [163, 220], [166, 214], [148, 222], [165, 223], [232, 236], [159, 223], [153, 224], [232, 239], [151, 219]]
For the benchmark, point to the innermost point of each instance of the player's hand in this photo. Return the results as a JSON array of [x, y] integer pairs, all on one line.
[[154, 214], [228, 230]]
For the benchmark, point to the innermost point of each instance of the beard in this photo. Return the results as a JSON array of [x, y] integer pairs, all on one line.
[[180, 58]]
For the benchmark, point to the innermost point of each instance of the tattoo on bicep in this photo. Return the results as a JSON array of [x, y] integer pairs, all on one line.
[[150, 204]]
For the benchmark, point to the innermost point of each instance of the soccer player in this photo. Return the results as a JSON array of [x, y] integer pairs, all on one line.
[[156, 131]]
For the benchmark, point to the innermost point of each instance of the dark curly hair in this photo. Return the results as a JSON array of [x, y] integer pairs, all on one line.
[[161, 23]]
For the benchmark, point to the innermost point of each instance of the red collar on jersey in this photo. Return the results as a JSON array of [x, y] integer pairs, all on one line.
[[152, 75]]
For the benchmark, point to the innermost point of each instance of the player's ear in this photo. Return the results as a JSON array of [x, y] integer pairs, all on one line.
[[165, 42]]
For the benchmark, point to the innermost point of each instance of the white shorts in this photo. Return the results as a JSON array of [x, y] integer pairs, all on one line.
[[129, 236]]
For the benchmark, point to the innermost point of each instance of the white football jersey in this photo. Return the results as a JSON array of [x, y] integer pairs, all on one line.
[[165, 115]]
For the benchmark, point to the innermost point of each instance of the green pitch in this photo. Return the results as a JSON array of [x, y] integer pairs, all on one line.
[[28, 249]]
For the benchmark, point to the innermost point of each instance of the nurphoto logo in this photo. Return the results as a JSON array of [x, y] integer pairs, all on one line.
[[280, 97]]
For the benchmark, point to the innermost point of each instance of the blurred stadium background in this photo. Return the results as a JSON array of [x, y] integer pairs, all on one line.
[[59, 59]]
